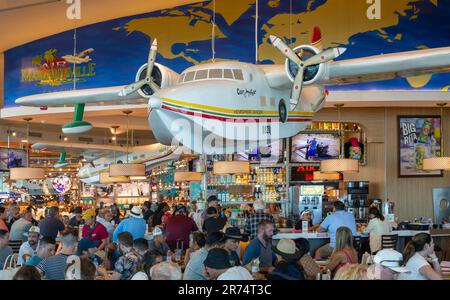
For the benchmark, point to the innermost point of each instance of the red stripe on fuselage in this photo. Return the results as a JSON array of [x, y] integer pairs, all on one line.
[[224, 119]]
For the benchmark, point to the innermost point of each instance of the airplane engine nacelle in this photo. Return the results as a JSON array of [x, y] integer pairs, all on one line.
[[312, 73], [162, 76]]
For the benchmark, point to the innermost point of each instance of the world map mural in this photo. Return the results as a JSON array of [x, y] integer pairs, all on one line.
[[117, 48]]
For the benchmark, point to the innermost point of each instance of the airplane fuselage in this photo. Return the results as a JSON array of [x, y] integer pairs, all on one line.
[[230, 100]]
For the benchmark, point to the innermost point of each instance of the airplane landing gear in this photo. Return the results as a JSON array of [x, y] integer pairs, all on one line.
[[282, 111]]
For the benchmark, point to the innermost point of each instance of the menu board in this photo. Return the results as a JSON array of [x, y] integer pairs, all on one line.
[[314, 147], [268, 153], [12, 158], [311, 189]]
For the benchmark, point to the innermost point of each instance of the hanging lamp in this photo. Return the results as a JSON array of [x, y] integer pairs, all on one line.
[[127, 169], [231, 167], [441, 162], [27, 173], [180, 176], [344, 165]]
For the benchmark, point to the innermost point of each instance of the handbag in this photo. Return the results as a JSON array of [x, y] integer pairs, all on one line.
[[9, 267]]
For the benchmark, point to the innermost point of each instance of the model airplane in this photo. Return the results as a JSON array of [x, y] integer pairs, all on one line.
[[82, 57], [99, 157], [227, 107]]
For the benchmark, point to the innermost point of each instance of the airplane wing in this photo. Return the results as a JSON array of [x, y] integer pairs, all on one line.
[[108, 95], [89, 151], [388, 66]]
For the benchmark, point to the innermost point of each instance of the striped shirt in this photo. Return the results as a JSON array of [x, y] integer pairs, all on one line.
[[53, 267]]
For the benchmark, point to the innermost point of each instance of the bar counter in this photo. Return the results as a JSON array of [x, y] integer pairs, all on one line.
[[441, 238]]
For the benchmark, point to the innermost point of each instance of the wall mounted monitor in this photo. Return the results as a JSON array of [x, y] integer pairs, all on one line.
[[265, 153], [12, 158], [314, 147]]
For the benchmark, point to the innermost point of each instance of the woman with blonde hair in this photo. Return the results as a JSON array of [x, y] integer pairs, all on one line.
[[352, 272], [344, 253]]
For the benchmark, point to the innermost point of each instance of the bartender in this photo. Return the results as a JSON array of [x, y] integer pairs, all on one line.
[[306, 216], [339, 218]]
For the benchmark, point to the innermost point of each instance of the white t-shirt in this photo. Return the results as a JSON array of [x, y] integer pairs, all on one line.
[[140, 276], [25, 248], [376, 228], [416, 262], [236, 273]]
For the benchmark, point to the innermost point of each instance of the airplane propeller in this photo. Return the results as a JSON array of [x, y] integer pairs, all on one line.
[[319, 58], [130, 89]]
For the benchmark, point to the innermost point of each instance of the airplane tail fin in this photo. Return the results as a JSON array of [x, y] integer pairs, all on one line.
[[316, 39]]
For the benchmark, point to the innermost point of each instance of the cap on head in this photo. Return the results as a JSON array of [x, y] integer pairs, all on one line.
[[89, 213], [391, 259], [158, 231], [259, 205]]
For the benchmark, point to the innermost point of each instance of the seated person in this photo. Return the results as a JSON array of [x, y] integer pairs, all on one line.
[[197, 241], [27, 273], [149, 260], [218, 267], [232, 238], [344, 253], [261, 248], [141, 246], [166, 271], [87, 248], [213, 221], [45, 249], [287, 268], [310, 267], [419, 258], [158, 242]]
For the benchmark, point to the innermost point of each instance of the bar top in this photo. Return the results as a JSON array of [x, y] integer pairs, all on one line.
[[325, 235]]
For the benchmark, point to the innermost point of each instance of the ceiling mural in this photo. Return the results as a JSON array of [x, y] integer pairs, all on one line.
[[111, 52]]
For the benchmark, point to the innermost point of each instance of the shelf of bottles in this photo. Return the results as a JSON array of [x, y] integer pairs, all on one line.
[[262, 183]]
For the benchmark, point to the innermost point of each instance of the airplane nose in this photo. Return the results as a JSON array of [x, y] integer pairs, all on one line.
[[155, 102]]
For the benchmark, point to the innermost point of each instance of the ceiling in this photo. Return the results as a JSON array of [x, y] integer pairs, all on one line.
[[35, 19]]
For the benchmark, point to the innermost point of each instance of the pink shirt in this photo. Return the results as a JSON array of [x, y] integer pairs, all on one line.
[[99, 232]]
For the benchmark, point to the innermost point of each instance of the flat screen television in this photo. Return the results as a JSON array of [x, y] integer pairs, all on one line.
[[266, 153], [12, 158], [314, 147]]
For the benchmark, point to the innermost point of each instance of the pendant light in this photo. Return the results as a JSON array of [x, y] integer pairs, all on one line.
[[344, 165], [27, 173], [231, 167], [187, 176], [127, 169], [442, 162]]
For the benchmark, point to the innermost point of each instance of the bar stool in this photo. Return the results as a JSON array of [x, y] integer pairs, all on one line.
[[389, 241], [15, 245]]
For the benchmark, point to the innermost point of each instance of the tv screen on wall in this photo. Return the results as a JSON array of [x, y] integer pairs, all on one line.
[[12, 158], [314, 147], [267, 153]]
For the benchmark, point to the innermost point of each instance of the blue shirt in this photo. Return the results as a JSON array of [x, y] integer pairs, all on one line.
[[135, 226], [340, 218]]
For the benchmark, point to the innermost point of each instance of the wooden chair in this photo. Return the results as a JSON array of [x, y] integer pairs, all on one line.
[[15, 245], [389, 241]]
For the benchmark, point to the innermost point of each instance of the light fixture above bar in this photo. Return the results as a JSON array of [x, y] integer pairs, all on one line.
[[231, 167], [339, 165], [187, 176]]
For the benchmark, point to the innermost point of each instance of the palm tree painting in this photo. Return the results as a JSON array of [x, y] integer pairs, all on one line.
[[50, 55], [37, 60]]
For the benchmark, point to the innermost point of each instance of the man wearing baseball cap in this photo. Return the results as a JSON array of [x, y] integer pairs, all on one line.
[[94, 230], [387, 265], [29, 248]]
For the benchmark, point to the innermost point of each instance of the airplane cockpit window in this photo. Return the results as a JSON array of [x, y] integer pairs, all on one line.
[[227, 73], [189, 76], [180, 80], [238, 74], [201, 74], [215, 73]]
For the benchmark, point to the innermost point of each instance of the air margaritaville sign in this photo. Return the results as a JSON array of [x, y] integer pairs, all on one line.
[[50, 70]]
